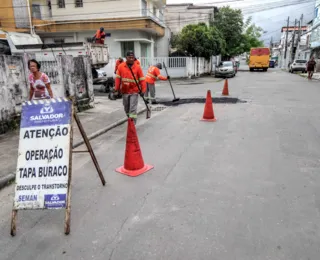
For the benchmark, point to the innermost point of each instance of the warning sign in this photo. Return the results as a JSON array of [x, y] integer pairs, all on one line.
[[44, 154]]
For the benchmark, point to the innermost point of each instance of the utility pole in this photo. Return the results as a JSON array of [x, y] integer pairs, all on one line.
[[293, 38], [271, 45], [286, 44]]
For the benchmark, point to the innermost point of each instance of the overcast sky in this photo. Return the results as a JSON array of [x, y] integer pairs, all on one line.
[[271, 15]]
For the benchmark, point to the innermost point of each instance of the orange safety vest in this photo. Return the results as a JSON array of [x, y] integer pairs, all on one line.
[[154, 74], [137, 62], [125, 79]]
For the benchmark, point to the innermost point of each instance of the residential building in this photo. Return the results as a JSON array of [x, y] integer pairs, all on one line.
[[178, 16], [288, 54], [304, 46], [129, 24], [315, 34]]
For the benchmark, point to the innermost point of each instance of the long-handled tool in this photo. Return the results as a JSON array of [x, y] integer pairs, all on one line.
[[174, 96], [141, 95]]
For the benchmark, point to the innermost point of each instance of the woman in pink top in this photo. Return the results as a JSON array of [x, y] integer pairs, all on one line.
[[39, 82]]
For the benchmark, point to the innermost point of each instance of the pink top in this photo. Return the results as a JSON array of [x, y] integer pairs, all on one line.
[[39, 86]]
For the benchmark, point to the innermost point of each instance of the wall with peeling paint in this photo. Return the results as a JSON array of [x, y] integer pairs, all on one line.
[[67, 75], [13, 89]]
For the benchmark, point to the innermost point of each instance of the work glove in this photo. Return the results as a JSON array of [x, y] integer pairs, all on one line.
[[141, 94], [168, 77]]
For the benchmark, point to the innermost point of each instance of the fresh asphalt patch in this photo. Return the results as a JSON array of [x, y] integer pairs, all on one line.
[[216, 100]]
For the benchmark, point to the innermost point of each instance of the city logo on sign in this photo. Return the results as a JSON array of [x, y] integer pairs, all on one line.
[[46, 109], [55, 200], [47, 113], [55, 197]]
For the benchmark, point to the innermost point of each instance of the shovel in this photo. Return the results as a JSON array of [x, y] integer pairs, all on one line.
[[174, 96], [141, 95]]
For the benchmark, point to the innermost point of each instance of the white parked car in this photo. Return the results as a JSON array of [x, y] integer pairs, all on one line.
[[225, 69], [298, 65]]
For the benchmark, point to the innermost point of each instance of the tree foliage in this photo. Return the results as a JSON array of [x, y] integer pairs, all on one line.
[[200, 40], [230, 23], [228, 35], [252, 34]]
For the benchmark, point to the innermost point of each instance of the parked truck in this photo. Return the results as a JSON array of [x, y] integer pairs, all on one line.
[[16, 43], [259, 58]]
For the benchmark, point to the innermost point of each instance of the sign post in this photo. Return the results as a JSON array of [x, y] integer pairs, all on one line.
[[44, 167]]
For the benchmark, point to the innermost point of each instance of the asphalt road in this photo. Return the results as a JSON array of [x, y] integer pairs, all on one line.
[[245, 187]]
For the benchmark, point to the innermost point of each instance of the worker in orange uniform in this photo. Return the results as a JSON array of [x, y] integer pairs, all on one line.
[[99, 36], [129, 89], [152, 75]]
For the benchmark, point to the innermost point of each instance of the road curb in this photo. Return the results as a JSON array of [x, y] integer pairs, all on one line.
[[6, 180]]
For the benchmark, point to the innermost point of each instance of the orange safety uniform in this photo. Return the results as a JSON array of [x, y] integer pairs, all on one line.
[[137, 62], [154, 74], [118, 62], [100, 37], [125, 79]]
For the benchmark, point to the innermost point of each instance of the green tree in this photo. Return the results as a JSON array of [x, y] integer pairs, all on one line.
[[230, 23], [240, 36], [251, 35], [200, 40]]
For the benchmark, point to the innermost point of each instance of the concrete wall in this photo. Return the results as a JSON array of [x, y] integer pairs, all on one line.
[[162, 44], [13, 89], [157, 46]]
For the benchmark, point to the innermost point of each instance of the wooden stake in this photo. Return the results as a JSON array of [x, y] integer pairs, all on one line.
[[68, 202], [14, 222], [90, 150]]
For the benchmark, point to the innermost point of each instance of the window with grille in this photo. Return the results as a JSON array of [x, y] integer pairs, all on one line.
[[126, 46], [61, 4], [79, 3]]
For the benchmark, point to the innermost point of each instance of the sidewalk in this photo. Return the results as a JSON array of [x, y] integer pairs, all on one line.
[[316, 76], [106, 114]]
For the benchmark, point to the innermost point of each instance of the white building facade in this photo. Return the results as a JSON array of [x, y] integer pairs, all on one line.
[[178, 16]]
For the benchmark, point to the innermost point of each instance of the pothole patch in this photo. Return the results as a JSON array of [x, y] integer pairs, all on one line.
[[215, 100]]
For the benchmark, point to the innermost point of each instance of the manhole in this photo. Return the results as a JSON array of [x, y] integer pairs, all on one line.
[[216, 100], [158, 108]]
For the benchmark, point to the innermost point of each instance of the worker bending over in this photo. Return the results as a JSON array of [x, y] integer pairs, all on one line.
[[128, 74], [152, 75]]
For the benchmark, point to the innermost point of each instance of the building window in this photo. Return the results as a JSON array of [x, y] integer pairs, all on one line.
[[79, 3], [144, 7], [154, 11], [61, 4], [125, 47], [36, 13]]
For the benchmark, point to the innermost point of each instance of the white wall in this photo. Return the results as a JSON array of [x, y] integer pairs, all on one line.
[[114, 46], [96, 9], [162, 44]]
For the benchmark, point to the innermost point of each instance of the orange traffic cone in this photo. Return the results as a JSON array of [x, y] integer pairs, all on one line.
[[208, 114], [133, 161], [225, 91]]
